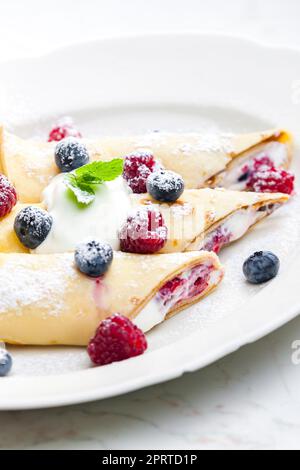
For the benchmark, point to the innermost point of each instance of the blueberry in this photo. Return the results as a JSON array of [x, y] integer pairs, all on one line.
[[93, 258], [244, 177], [32, 226], [261, 267], [70, 153], [5, 362], [165, 186]]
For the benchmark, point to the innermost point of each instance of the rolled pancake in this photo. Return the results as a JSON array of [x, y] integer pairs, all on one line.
[[199, 158], [194, 220], [45, 300]]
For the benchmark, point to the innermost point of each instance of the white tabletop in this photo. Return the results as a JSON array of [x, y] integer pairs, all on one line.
[[251, 398]]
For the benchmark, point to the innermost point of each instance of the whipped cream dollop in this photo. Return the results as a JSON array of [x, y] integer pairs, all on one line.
[[73, 223]]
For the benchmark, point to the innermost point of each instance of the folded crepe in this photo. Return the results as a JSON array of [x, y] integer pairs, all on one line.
[[209, 219], [200, 219], [202, 160], [45, 300]]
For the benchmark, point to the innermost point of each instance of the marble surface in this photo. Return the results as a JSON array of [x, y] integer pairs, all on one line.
[[249, 400]]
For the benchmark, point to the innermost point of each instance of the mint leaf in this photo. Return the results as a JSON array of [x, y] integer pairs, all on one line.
[[84, 193], [106, 171], [88, 179], [83, 180]]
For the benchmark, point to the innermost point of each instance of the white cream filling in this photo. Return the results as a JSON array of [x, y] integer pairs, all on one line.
[[238, 224], [156, 311], [72, 224], [276, 151]]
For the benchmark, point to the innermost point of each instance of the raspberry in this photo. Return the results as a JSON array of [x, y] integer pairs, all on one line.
[[218, 239], [144, 232], [137, 168], [262, 163], [116, 339], [64, 128], [170, 287], [263, 176], [267, 179], [8, 196]]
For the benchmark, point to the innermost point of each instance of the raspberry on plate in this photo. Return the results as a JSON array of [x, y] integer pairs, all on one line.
[[8, 196], [144, 232], [137, 168], [116, 339], [266, 178], [64, 128]]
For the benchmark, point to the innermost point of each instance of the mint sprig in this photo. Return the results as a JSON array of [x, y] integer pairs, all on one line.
[[83, 180]]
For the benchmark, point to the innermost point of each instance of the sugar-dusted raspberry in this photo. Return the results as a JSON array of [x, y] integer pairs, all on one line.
[[64, 128], [116, 339], [8, 196], [266, 179], [143, 232], [137, 168], [263, 163]]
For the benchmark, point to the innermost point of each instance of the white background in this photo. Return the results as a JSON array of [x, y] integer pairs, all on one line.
[[250, 399]]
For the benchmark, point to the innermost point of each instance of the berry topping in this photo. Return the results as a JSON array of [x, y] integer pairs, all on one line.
[[263, 162], [261, 267], [144, 232], [165, 186], [70, 154], [93, 258], [63, 128], [116, 339], [5, 362], [137, 168], [189, 284], [266, 178], [217, 239], [8, 196], [32, 226], [272, 181]]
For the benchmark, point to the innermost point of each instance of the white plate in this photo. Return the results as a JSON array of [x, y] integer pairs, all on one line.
[[175, 82]]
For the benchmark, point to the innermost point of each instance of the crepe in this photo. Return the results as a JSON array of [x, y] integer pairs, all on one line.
[[45, 300], [201, 219], [212, 218], [202, 160]]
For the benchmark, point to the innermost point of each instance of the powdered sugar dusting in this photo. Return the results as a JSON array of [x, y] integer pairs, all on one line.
[[21, 286], [279, 233], [166, 181], [35, 157], [39, 221], [181, 210], [207, 143], [195, 142]]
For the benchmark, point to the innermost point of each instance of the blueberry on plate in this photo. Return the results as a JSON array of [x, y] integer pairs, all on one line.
[[32, 226], [261, 267], [165, 186], [93, 257], [5, 362], [70, 153]]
